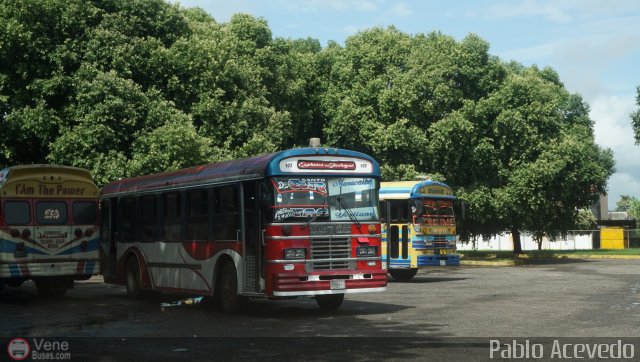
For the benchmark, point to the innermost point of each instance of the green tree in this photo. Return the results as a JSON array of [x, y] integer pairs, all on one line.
[[107, 115], [531, 160], [224, 77], [634, 208], [624, 203], [172, 146], [92, 83], [629, 204], [635, 117]]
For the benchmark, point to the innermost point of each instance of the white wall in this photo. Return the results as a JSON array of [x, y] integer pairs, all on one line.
[[504, 242]]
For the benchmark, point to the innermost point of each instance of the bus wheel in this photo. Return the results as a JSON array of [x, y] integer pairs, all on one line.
[[402, 275], [329, 301], [133, 278], [51, 287], [227, 287]]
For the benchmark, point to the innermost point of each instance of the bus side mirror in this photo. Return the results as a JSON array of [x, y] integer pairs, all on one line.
[[416, 206]]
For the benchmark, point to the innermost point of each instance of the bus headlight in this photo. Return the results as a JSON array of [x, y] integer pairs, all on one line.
[[367, 250], [294, 253]]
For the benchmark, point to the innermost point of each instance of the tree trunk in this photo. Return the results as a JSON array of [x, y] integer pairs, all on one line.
[[517, 246], [539, 244]]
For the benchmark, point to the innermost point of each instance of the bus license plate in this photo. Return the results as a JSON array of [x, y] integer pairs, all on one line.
[[337, 284], [443, 262]]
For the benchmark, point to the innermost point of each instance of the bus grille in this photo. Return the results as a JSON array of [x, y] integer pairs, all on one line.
[[331, 248], [439, 241]]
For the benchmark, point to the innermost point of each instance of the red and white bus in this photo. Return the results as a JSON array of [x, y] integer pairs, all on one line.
[[300, 222], [48, 227]]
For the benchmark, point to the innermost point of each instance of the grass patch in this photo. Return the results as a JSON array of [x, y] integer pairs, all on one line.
[[546, 254]]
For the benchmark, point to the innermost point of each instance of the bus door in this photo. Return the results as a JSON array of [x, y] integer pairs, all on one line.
[[252, 235], [53, 229], [398, 231], [108, 241]]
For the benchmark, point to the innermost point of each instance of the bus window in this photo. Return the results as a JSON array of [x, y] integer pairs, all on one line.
[[17, 213], [445, 212], [84, 212], [172, 216], [225, 214], [399, 211], [126, 219], [51, 212], [197, 217], [383, 211], [148, 218], [105, 227]]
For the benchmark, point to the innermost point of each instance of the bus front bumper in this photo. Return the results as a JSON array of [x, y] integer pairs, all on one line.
[[439, 260], [290, 285]]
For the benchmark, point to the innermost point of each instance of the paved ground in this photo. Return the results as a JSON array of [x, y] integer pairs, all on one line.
[[569, 298]]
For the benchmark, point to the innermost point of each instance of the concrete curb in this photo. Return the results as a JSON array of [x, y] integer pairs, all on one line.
[[532, 260], [491, 262]]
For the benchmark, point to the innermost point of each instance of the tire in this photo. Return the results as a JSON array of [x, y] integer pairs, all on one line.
[[51, 287], [403, 275], [132, 279], [329, 301], [227, 289]]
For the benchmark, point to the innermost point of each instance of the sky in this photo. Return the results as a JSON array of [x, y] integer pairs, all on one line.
[[594, 45]]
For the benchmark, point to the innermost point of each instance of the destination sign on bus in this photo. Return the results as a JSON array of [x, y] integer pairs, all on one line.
[[326, 164], [435, 190], [40, 189]]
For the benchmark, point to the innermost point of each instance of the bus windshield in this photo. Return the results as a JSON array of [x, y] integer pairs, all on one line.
[[326, 199], [435, 212]]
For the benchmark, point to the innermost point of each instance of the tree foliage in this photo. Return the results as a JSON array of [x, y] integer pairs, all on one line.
[[635, 117], [130, 87], [630, 205]]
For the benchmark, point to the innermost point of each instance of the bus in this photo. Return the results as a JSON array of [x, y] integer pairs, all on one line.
[[418, 226], [299, 222], [48, 227]]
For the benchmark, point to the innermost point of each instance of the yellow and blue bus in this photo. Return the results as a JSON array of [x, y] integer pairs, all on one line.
[[418, 226], [48, 227]]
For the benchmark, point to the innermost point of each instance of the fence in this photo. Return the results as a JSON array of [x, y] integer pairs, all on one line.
[[574, 240]]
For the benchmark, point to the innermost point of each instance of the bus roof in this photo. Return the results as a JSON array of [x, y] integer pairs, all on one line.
[[43, 180], [415, 189], [307, 161]]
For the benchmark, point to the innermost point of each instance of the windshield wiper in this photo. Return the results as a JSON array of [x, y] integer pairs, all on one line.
[[348, 211], [316, 216]]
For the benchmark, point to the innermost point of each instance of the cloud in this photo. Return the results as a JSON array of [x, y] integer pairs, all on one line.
[[401, 10], [613, 125], [613, 130], [586, 61], [550, 10], [588, 50], [314, 6], [559, 11], [622, 183]]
